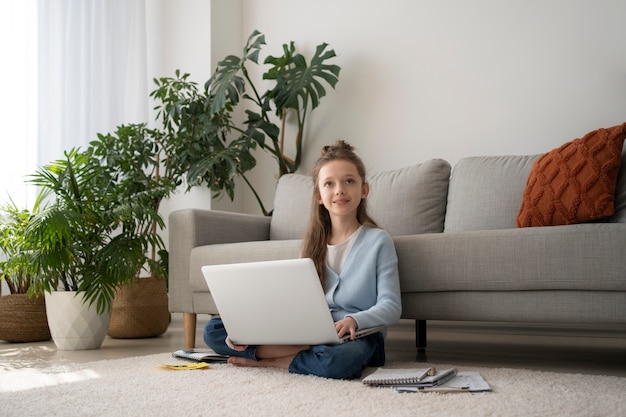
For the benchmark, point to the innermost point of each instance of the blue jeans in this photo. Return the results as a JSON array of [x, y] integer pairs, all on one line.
[[341, 361]]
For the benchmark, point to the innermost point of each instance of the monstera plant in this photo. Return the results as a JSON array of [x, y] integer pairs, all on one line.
[[211, 144]]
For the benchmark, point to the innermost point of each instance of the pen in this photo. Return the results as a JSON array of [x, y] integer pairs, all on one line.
[[444, 390], [429, 372], [441, 390]]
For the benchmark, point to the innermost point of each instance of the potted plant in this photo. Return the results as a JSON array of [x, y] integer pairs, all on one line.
[[212, 146], [135, 157], [198, 140], [101, 228], [22, 318], [88, 245]]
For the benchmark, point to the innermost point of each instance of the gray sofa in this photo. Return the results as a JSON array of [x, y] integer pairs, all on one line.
[[461, 256]]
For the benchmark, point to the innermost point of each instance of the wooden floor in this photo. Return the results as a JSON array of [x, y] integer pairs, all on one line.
[[573, 348], [578, 349]]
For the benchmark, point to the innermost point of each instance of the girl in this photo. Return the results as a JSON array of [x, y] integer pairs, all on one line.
[[358, 269]]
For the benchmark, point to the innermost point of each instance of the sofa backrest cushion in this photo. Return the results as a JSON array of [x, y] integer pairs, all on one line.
[[410, 200], [405, 201], [486, 192], [292, 207]]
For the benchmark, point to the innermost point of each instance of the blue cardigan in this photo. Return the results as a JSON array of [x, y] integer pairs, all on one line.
[[368, 289]]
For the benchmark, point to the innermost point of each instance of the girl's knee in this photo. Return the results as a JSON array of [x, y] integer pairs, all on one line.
[[214, 333], [336, 362]]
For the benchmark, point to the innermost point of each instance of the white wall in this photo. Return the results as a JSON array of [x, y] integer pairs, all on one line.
[[179, 37], [452, 78], [426, 78]]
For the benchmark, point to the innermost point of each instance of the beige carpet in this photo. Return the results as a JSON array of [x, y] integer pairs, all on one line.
[[139, 387]]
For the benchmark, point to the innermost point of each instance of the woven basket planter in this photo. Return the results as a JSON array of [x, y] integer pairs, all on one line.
[[140, 310], [23, 319]]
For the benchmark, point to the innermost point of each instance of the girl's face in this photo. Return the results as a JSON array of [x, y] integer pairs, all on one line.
[[341, 188]]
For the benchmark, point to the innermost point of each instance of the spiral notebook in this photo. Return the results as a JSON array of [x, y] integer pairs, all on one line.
[[413, 380], [413, 377]]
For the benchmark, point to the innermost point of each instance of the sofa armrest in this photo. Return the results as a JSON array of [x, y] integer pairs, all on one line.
[[189, 228]]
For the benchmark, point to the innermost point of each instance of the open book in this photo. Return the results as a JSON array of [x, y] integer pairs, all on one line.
[[199, 355]]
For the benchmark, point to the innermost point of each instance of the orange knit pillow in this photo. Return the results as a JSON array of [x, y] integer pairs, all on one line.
[[574, 183]]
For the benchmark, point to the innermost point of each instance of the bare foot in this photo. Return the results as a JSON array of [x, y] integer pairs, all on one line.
[[282, 363], [233, 360]]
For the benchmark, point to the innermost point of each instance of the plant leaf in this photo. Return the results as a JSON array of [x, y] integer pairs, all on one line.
[[253, 46], [297, 82], [258, 127], [219, 168], [226, 85]]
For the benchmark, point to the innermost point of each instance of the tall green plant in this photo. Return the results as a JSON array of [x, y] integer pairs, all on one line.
[[195, 144], [212, 146], [133, 157], [87, 236]]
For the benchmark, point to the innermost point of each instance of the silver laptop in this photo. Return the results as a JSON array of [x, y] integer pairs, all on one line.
[[274, 303]]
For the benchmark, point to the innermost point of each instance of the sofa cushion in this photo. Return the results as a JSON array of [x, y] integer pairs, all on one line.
[[585, 257], [292, 207], [409, 200], [486, 191], [575, 182], [232, 253]]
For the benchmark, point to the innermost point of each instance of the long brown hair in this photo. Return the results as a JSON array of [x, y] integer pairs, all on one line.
[[318, 231]]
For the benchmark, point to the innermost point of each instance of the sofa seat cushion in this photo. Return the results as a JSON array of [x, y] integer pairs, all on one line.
[[230, 253], [486, 192], [404, 201], [575, 257]]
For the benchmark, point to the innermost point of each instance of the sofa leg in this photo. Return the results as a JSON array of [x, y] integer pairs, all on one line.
[[420, 335], [189, 327]]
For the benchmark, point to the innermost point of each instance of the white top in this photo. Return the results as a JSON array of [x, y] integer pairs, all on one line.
[[336, 255]]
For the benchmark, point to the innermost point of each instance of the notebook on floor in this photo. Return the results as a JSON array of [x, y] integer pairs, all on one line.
[[273, 303]]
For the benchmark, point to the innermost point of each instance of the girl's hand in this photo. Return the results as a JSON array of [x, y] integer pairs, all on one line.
[[238, 348], [346, 326]]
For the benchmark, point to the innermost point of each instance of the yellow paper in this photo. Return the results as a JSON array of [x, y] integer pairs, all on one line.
[[186, 366]]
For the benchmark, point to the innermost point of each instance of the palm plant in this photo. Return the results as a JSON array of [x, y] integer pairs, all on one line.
[[87, 236], [17, 269], [22, 317]]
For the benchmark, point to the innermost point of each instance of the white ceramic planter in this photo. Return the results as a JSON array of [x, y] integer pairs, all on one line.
[[75, 325]]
